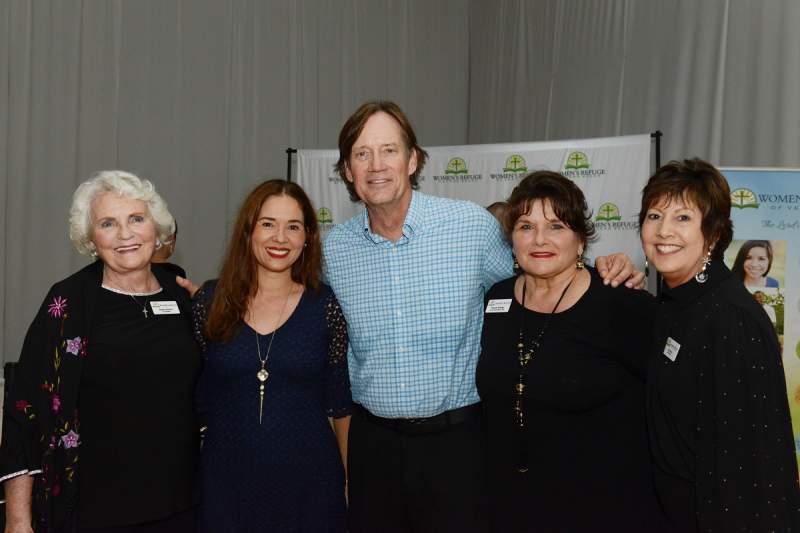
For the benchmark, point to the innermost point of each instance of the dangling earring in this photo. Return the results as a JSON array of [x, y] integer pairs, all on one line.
[[579, 263], [702, 276], [646, 268], [516, 265]]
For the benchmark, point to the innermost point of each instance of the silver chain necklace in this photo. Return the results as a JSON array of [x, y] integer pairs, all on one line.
[[262, 375]]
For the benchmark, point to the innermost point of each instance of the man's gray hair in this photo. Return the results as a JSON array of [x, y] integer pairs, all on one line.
[[126, 185]]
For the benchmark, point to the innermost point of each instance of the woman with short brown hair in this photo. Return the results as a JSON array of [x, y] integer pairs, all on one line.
[[717, 411]]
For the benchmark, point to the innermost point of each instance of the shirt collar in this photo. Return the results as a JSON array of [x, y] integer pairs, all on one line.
[[411, 225], [691, 290]]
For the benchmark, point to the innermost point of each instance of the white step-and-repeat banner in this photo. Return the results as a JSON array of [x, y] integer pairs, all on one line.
[[610, 171], [765, 253]]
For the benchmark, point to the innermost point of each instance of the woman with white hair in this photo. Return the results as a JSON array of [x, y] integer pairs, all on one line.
[[112, 343]]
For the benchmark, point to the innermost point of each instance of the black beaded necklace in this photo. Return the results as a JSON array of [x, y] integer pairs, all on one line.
[[523, 358]]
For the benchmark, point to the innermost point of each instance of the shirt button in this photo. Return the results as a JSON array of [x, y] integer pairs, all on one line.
[[397, 278], [402, 348], [402, 385], [399, 313]]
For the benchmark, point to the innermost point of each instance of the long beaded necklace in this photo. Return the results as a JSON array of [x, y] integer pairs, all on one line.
[[262, 375], [523, 358]]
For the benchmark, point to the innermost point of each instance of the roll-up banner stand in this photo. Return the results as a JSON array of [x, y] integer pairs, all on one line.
[[765, 253]]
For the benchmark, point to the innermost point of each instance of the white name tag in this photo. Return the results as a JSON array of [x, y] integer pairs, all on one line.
[[671, 349], [165, 308], [498, 306]]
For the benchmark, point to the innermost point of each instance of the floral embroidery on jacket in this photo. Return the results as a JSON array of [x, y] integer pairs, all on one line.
[[75, 346], [56, 403], [70, 440], [58, 307]]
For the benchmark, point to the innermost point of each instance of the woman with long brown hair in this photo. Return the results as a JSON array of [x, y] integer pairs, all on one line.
[[275, 343]]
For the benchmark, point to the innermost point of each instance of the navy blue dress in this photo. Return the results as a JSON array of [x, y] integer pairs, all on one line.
[[286, 473]]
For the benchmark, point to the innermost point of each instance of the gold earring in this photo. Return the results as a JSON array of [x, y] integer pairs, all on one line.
[[579, 263]]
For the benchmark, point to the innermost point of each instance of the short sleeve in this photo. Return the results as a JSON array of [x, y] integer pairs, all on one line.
[[337, 379], [498, 262]]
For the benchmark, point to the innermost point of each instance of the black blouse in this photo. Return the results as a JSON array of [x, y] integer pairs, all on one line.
[[586, 440], [717, 411], [139, 430]]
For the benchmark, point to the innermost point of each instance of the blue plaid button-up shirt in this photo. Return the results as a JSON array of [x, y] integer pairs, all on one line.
[[414, 307]]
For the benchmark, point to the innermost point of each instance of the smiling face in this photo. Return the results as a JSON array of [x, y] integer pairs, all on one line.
[[673, 240], [756, 264], [380, 165], [123, 233], [279, 234], [543, 245]]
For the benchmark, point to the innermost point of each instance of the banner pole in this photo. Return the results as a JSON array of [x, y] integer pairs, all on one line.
[[657, 136], [289, 152]]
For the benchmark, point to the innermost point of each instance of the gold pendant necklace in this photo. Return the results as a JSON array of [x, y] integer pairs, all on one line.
[[262, 375], [523, 358]]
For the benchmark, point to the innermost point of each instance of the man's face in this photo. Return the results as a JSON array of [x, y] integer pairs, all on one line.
[[380, 165]]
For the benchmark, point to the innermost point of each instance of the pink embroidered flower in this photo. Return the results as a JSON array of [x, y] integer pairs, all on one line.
[[70, 440], [21, 405], [74, 346], [57, 307], [56, 403]]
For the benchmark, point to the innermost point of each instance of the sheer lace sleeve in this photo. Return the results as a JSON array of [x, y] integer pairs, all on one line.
[[339, 402], [200, 304]]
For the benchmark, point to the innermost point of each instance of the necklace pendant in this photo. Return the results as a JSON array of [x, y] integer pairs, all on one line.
[[262, 375], [260, 401], [144, 311]]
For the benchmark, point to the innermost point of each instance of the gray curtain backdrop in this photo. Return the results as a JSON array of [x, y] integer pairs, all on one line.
[[203, 96]]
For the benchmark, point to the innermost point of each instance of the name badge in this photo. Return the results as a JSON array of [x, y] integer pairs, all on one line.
[[498, 306], [165, 308], [671, 349]]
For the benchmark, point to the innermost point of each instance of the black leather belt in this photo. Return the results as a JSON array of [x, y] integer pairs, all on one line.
[[431, 424]]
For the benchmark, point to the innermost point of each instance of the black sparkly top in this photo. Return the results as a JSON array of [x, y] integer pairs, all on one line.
[[717, 411]]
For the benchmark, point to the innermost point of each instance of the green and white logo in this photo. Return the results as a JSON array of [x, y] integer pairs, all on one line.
[[743, 198], [515, 163], [576, 161], [324, 216], [608, 212], [456, 166]]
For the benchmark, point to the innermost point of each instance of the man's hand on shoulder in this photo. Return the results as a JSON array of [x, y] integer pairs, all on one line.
[[618, 268], [188, 285]]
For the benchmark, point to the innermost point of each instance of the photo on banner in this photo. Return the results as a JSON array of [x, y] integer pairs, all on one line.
[[765, 255]]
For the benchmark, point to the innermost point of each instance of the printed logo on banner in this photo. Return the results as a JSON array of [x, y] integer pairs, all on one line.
[[324, 218], [456, 170], [577, 165], [743, 198], [515, 163], [608, 212], [456, 166], [514, 167], [610, 219]]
